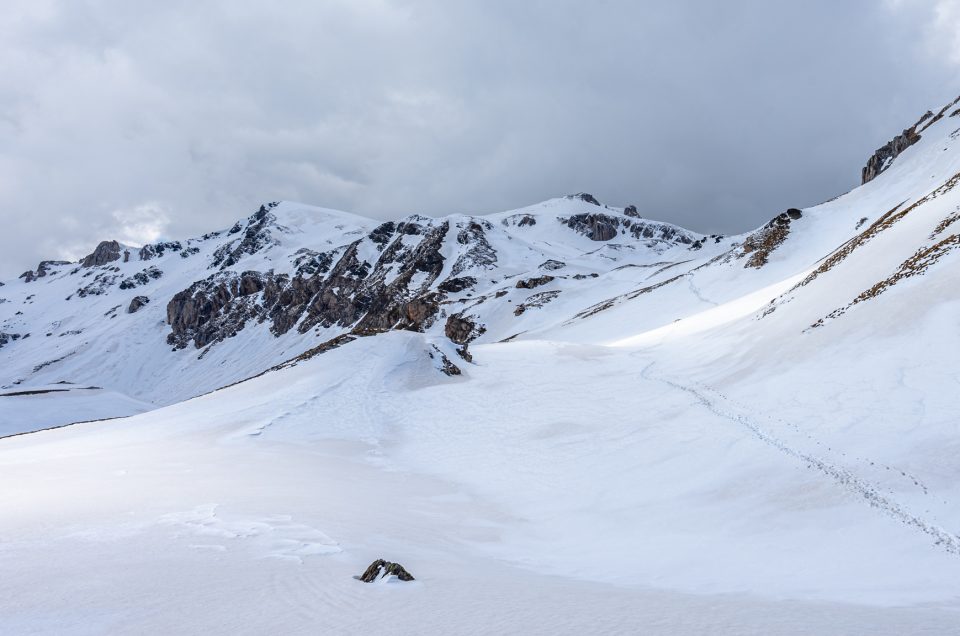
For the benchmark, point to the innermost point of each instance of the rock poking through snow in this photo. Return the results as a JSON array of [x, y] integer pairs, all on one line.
[[381, 569]]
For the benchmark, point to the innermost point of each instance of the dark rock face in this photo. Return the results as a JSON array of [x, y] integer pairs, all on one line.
[[535, 301], [137, 303], [454, 285], [886, 153], [527, 220], [6, 338], [583, 196], [141, 278], [106, 252], [462, 330], [480, 254], [603, 227], [256, 236], [596, 227], [530, 283], [157, 249], [447, 367], [552, 265], [324, 292], [381, 569], [631, 210]]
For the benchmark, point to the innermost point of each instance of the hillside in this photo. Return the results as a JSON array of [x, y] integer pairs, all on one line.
[[561, 419]]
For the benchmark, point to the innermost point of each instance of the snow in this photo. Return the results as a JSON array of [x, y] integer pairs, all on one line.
[[682, 462]]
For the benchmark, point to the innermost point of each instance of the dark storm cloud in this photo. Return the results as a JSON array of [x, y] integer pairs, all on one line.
[[135, 120]]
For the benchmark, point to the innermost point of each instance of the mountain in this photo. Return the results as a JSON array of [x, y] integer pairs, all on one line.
[[561, 419], [177, 318]]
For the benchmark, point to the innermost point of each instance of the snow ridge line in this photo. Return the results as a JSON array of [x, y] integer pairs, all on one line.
[[948, 541]]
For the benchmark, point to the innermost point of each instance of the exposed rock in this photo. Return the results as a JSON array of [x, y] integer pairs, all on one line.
[[380, 569], [106, 252], [141, 278], [100, 284], [552, 265], [157, 249], [530, 283], [447, 367], [383, 233], [454, 285], [462, 330], [886, 153], [768, 238], [536, 300], [480, 255], [596, 227], [631, 210], [6, 338], [45, 266], [43, 269], [583, 196], [527, 220], [256, 237], [350, 294], [137, 303]]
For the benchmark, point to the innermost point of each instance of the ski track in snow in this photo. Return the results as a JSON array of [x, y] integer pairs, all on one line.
[[696, 291], [846, 479]]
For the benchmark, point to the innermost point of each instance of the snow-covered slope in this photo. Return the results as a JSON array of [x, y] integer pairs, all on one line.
[[562, 419], [179, 318]]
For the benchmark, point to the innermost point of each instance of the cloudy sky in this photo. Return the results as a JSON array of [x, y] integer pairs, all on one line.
[[140, 120]]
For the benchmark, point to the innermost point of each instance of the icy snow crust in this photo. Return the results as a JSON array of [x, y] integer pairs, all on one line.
[[713, 455]]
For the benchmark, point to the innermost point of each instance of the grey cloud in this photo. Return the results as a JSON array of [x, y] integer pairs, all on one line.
[[711, 115]]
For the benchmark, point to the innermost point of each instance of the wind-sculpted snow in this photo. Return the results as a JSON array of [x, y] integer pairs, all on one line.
[[563, 419]]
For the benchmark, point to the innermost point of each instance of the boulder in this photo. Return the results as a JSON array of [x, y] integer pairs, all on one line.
[[381, 569], [137, 303], [106, 252]]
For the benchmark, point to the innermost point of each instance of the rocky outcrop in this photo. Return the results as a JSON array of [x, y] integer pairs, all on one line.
[[596, 227], [6, 338], [552, 265], [155, 250], [462, 329], [256, 237], [761, 243], [530, 283], [393, 293], [137, 303], [141, 278], [381, 569], [602, 227], [885, 154], [583, 196], [480, 254], [44, 268], [106, 252]]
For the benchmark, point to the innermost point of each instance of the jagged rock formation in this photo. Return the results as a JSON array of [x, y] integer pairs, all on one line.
[[380, 569], [885, 155], [598, 226], [392, 294], [105, 252], [43, 269]]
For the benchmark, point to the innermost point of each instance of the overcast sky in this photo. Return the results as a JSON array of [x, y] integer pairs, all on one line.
[[140, 120]]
